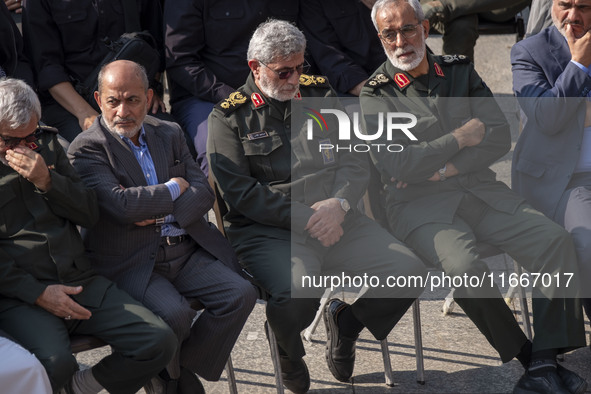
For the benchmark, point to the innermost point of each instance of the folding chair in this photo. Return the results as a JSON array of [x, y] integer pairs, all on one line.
[[388, 376], [219, 209]]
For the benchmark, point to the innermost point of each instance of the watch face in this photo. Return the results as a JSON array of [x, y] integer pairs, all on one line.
[[345, 205]]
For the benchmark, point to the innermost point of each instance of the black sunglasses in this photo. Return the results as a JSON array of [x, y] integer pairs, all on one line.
[[301, 69], [12, 142]]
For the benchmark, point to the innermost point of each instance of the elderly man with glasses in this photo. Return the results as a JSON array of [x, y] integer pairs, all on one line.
[[292, 208], [442, 197]]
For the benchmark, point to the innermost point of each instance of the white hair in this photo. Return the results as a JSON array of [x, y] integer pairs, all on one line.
[[275, 40], [18, 103], [415, 4]]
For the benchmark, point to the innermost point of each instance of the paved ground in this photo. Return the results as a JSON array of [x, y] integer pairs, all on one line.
[[457, 357]]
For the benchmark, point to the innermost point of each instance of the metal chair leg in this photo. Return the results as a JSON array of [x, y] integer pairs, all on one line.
[[231, 376], [275, 357], [524, 306], [387, 363], [416, 318], [312, 327]]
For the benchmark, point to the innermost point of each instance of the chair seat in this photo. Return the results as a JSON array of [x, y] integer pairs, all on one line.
[[81, 343]]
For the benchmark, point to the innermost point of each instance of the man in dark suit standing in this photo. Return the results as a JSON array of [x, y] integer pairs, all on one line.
[[47, 287], [552, 159], [152, 238]]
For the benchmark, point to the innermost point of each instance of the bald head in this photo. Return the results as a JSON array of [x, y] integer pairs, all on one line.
[[123, 68], [123, 97]]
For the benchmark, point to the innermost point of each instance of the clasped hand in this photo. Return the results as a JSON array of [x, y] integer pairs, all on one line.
[[325, 223]]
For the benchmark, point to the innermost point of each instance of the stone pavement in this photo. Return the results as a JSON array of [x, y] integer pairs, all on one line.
[[457, 357]]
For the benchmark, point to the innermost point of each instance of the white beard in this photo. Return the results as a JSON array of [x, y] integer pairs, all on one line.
[[419, 54], [274, 92]]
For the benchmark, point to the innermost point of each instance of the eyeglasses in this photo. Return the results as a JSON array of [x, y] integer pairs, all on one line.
[[12, 142], [284, 74], [407, 32]]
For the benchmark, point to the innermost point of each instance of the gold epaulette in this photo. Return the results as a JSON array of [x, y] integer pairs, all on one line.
[[314, 80], [234, 100], [379, 80]]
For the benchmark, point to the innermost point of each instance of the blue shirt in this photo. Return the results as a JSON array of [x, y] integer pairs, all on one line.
[[143, 157]]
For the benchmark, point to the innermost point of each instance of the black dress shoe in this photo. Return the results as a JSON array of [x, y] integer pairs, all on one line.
[[295, 375], [189, 383], [340, 350], [550, 383], [573, 382], [161, 384]]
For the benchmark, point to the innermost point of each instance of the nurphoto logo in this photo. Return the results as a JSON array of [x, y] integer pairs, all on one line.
[[388, 123]]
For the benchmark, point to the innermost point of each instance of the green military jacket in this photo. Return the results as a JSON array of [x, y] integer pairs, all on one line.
[[39, 242], [269, 174], [451, 94]]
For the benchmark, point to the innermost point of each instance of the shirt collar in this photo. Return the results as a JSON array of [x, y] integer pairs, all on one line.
[[142, 140]]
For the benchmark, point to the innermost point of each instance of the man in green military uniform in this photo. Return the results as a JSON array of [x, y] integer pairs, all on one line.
[[441, 197], [47, 288], [292, 209]]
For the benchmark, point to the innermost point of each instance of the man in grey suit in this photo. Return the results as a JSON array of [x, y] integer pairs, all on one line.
[[552, 159], [152, 238]]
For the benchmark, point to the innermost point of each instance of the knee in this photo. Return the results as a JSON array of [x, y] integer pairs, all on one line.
[[60, 367], [458, 264], [582, 240], [179, 319], [240, 299], [411, 267], [161, 344]]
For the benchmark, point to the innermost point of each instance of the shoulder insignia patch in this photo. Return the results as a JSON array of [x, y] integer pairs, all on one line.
[[48, 129], [455, 59], [298, 96], [314, 80], [234, 100], [378, 80], [401, 80]]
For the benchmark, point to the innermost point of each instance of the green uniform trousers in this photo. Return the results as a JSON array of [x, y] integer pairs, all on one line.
[[142, 344], [537, 244], [277, 264]]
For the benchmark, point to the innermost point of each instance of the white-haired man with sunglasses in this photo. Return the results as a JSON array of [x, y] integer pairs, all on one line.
[[292, 209], [442, 198], [47, 288]]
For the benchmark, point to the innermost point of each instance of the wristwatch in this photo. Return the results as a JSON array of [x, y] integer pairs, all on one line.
[[344, 204], [442, 173]]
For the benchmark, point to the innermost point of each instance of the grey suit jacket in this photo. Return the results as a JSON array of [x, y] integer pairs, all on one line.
[[549, 146], [117, 248]]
